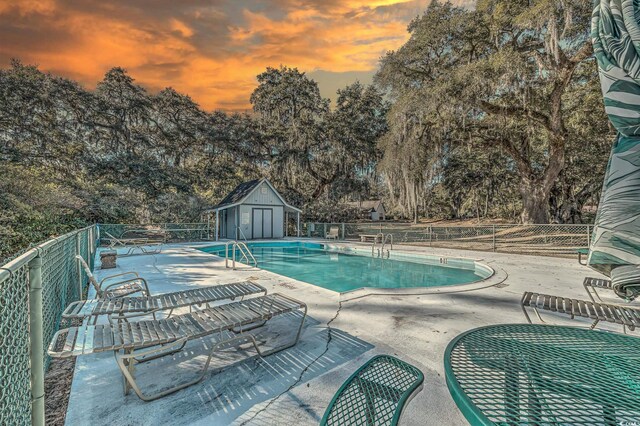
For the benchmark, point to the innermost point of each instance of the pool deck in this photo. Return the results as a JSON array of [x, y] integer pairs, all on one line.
[[295, 386]]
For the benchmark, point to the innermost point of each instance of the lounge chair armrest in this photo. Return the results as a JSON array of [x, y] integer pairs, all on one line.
[[126, 317], [132, 280], [124, 274]]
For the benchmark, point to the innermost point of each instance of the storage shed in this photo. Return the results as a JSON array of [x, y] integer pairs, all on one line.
[[254, 210], [371, 209]]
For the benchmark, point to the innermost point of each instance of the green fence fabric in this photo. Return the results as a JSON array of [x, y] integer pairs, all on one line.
[[15, 386], [615, 245], [62, 283]]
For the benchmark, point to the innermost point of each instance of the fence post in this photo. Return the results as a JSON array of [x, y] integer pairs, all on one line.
[[494, 237], [344, 236], [430, 235], [588, 236], [36, 353], [78, 267], [90, 247]]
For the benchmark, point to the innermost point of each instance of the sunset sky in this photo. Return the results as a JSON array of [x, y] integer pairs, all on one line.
[[211, 50]]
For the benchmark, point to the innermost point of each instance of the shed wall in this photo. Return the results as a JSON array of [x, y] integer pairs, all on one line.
[[263, 195], [246, 219]]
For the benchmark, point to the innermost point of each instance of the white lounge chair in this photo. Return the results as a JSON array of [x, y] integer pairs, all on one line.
[[626, 316], [146, 340], [124, 306], [333, 234], [117, 285], [145, 245]]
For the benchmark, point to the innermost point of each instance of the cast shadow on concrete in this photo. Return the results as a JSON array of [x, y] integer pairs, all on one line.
[[220, 398]]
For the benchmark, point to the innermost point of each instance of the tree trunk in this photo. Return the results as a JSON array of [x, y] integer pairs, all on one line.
[[535, 202]]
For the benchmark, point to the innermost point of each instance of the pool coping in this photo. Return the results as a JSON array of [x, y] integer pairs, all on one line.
[[497, 276]]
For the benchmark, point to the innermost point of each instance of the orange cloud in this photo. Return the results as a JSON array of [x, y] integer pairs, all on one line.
[[212, 52]]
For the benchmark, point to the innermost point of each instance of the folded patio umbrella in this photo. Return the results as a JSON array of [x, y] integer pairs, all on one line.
[[615, 246]]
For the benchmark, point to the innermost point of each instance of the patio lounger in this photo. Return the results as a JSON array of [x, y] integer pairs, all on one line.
[[626, 290], [591, 284], [333, 233], [133, 244], [375, 394], [626, 281], [145, 340], [168, 301], [617, 314], [118, 285]]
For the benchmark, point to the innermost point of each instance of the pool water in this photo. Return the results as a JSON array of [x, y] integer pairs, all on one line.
[[343, 272]]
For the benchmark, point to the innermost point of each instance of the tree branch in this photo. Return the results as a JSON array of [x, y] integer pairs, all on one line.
[[583, 53], [514, 111]]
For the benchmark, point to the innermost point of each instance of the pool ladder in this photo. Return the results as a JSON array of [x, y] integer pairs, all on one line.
[[247, 257], [384, 238]]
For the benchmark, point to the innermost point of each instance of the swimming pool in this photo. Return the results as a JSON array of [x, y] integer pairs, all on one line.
[[350, 269]]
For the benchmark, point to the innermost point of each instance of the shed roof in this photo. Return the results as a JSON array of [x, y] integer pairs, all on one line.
[[365, 205], [239, 193], [242, 191]]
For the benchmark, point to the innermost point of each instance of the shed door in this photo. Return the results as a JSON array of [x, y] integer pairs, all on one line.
[[262, 223], [267, 223], [257, 223]]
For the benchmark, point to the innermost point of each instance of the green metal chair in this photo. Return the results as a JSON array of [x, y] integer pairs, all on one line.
[[375, 394], [582, 252]]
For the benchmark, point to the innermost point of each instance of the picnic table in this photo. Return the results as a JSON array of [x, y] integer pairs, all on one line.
[[365, 237], [520, 374]]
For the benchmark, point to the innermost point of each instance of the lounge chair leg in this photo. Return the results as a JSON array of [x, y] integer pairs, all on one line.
[[286, 345], [597, 295], [589, 292], [127, 359], [129, 366], [126, 362], [526, 314]]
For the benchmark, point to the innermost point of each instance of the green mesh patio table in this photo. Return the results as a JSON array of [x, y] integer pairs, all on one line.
[[527, 374]]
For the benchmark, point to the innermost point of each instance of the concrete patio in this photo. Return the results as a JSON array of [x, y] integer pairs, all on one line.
[[295, 386]]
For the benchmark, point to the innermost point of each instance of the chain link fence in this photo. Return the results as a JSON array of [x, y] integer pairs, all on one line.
[[34, 290], [545, 240], [162, 232]]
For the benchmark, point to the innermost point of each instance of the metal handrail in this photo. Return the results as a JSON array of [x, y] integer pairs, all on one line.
[[226, 253], [243, 249], [384, 241], [375, 243]]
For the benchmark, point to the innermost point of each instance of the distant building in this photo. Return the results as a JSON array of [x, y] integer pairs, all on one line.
[[371, 209], [253, 210]]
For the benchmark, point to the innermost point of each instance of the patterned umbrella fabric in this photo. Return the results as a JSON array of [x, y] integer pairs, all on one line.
[[615, 246]]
